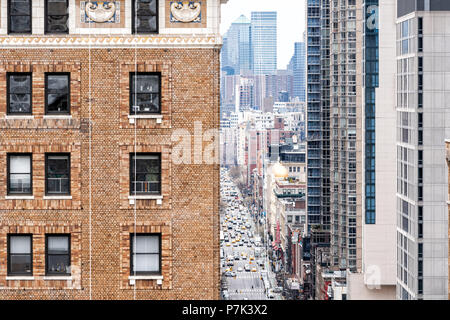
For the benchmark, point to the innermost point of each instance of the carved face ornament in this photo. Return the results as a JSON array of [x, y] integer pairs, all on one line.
[[100, 12], [185, 11]]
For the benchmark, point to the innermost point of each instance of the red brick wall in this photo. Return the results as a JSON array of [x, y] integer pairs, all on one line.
[[188, 216]]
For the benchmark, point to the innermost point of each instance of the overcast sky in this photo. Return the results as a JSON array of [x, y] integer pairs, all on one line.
[[290, 18]]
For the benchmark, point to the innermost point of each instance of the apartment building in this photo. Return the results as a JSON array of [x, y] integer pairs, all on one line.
[[95, 97], [376, 278], [423, 124]]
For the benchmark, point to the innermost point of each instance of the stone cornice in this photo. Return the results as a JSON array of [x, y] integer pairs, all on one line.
[[96, 41]]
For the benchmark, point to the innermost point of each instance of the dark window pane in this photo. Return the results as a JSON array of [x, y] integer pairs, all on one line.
[[57, 16], [19, 83], [146, 84], [58, 264], [58, 94], [58, 82], [20, 263], [20, 7], [19, 254], [146, 7], [20, 103], [20, 183], [146, 23], [20, 24], [145, 93], [57, 103], [58, 174], [147, 176], [57, 7], [57, 24], [19, 93], [145, 13]]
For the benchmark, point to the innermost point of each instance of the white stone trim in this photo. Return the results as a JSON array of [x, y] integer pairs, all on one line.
[[148, 197], [19, 197], [57, 197], [146, 278], [18, 278], [58, 116], [18, 117], [56, 278]]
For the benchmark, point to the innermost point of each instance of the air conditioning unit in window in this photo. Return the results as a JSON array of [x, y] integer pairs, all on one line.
[[136, 108]]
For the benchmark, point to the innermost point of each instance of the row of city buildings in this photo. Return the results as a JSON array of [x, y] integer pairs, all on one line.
[[377, 120], [368, 219]]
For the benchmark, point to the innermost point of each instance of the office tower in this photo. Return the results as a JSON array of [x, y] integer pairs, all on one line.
[[236, 51], [317, 102], [423, 124], [93, 201], [264, 42], [376, 239], [297, 67]]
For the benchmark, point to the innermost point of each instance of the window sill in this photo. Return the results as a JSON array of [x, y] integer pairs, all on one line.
[[145, 116], [68, 116], [149, 197], [18, 117], [56, 278], [57, 197], [19, 197], [13, 278], [155, 277]]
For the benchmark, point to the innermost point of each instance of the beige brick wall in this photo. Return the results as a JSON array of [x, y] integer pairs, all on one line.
[[188, 216]]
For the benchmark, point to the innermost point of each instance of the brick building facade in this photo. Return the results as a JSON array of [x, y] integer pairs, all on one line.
[[98, 214]]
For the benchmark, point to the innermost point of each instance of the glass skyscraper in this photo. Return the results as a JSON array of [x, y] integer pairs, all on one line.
[[298, 70], [236, 52], [264, 42]]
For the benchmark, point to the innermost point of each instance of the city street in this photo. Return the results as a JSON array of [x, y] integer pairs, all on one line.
[[243, 258]]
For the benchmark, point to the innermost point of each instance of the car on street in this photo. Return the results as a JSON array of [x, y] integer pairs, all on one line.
[[228, 274], [254, 269], [270, 294], [240, 269], [277, 290], [225, 295], [247, 267]]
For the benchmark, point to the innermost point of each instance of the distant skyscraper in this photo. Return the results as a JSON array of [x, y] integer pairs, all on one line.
[[297, 67], [264, 42], [236, 51]]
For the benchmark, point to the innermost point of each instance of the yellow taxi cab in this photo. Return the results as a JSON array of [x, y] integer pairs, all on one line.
[[228, 244], [252, 258], [254, 269], [229, 269]]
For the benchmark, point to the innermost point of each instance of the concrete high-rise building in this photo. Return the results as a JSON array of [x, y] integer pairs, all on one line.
[[94, 204], [423, 124], [264, 42], [236, 54], [376, 171], [297, 67]]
